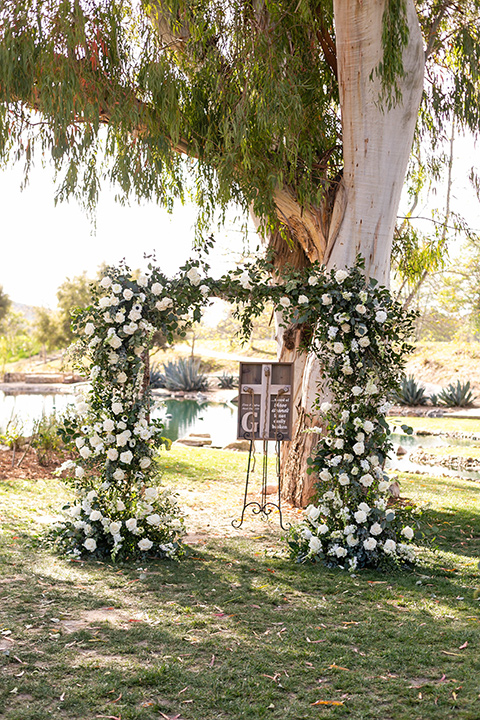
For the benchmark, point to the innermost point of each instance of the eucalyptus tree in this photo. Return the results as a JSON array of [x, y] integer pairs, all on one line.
[[302, 111]]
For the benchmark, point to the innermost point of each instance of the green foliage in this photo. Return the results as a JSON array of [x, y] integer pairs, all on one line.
[[5, 304], [184, 374], [227, 381], [72, 294], [157, 378], [46, 438], [13, 434], [458, 395], [410, 393]]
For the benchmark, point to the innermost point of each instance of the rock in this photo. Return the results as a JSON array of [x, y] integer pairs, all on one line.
[[401, 451], [195, 440], [238, 446], [394, 489]]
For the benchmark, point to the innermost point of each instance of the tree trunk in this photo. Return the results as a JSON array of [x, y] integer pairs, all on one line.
[[377, 143]]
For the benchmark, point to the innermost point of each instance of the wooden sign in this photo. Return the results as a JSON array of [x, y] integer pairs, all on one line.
[[265, 401]]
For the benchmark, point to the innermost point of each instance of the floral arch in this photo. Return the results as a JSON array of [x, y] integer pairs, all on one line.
[[356, 329]]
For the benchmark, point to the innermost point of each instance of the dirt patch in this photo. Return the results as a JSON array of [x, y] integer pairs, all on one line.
[[118, 618], [29, 465]]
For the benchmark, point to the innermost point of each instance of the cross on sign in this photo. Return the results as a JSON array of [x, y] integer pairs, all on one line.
[[260, 411]]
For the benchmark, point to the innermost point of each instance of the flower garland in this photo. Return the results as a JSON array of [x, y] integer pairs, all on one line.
[[359, 335]]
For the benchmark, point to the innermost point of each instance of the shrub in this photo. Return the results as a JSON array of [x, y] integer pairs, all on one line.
[[458, 395], [184, 374], [227, 381], [410, 393], [157, 378]]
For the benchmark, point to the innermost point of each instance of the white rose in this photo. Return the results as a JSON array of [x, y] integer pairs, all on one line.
[[285, 302], [105, 282], [153, 519], [325, 407], [358, 448], [361, 309], [80, 442], [121, 439], [156, 288], [312, 280], [312, 512], [340, 552], [122, 377], [326, 299], [114, 341], [79, 472], [115, 527], [108, 425], [341, 275], [366, 480], [383, 486], [370, 543], [112, 454], [117, 408], [95, 515], [119, 474], [194, 276], [368, 426], [104, 302], [363, 506], [134, 315], [142, 281], [145, 462], [376, 529], [75, 511], [322, 529], [85, 452], [380, 317], [338, 348], [127, 294], [150, 493], [356, 390], [325, 475], [120, 506], [90, 544], [407, 532], [164, 304], [352, 540], [303, 299], [145, 544], [343, 479], [131, 524], [126, 457], [89, 328], [389, 546], [371, 388], [364, 342], [360, 516], [314, 544]]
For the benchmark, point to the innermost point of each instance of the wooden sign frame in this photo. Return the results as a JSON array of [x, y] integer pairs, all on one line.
[[265, 401]]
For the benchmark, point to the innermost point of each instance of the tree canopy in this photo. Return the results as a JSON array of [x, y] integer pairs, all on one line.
[[248, 91]]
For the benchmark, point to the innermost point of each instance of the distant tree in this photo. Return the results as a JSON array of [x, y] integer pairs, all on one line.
[[71, 294], [46, 329], [5, 304]]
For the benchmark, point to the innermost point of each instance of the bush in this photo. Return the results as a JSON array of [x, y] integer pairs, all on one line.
[[458, 395], [227, 381], [410, 393], [184, 374], [157, 378]]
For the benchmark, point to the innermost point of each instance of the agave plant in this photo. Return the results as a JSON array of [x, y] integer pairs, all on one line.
[[184, 374], [227, 381], [410, 392], [157, 378], [458, 395]]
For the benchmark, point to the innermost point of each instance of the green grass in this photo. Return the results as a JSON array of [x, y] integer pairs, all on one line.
[[236, 631]]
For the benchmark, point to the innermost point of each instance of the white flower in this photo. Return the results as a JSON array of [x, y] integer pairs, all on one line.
[[376, 529], [79, 472], [85, 452], [326, 299], [358, 448], [80, 442], [315, 544], [285, 302], [338, 348], [145, 462], [115, 527], [105, 282], [194, 276], [360, 516], [370, 543], [368, 426], [244, 280], [306, 533], [90, 544], [126, 457], [343, 479], [389, 546], [352, 540], [339, 443], [163, 304], [114, 341], [340, 551], [204, 289], [142, 281], [108, 425], [117, 408], [312, 280], [120, 506], [145, 544], [361, 309], [303, 299], [153, 519], [322, 529], [134, 315], [363, 506], [325, 407], [366, 480], [380, 317], [75, 511], [341, 275], [127, 294], [89, 328], [312, 512], [356, 390], [345, 327], [371, 388], [156, 288], [122, 438], [116, 288], [150, 493], [407, 532], [131, 524], [119, 474], [383, 486], [364, 342], [104, 302], [122, 377], [112, 454], [95, 515]]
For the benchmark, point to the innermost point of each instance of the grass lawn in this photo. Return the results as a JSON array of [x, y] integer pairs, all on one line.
[[236, 631]]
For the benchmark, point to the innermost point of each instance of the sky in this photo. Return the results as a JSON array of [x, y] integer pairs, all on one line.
[[42, 244]]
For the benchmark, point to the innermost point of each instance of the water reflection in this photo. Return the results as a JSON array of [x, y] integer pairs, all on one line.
[[182, 417], [26, 409]]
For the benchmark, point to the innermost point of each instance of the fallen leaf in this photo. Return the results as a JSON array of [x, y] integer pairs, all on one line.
[[327, 702], [445, 652], [212, 661], [338, 667], [462, 647], [314, 641]]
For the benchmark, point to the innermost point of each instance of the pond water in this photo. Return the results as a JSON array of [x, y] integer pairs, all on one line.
[[182, 417]]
